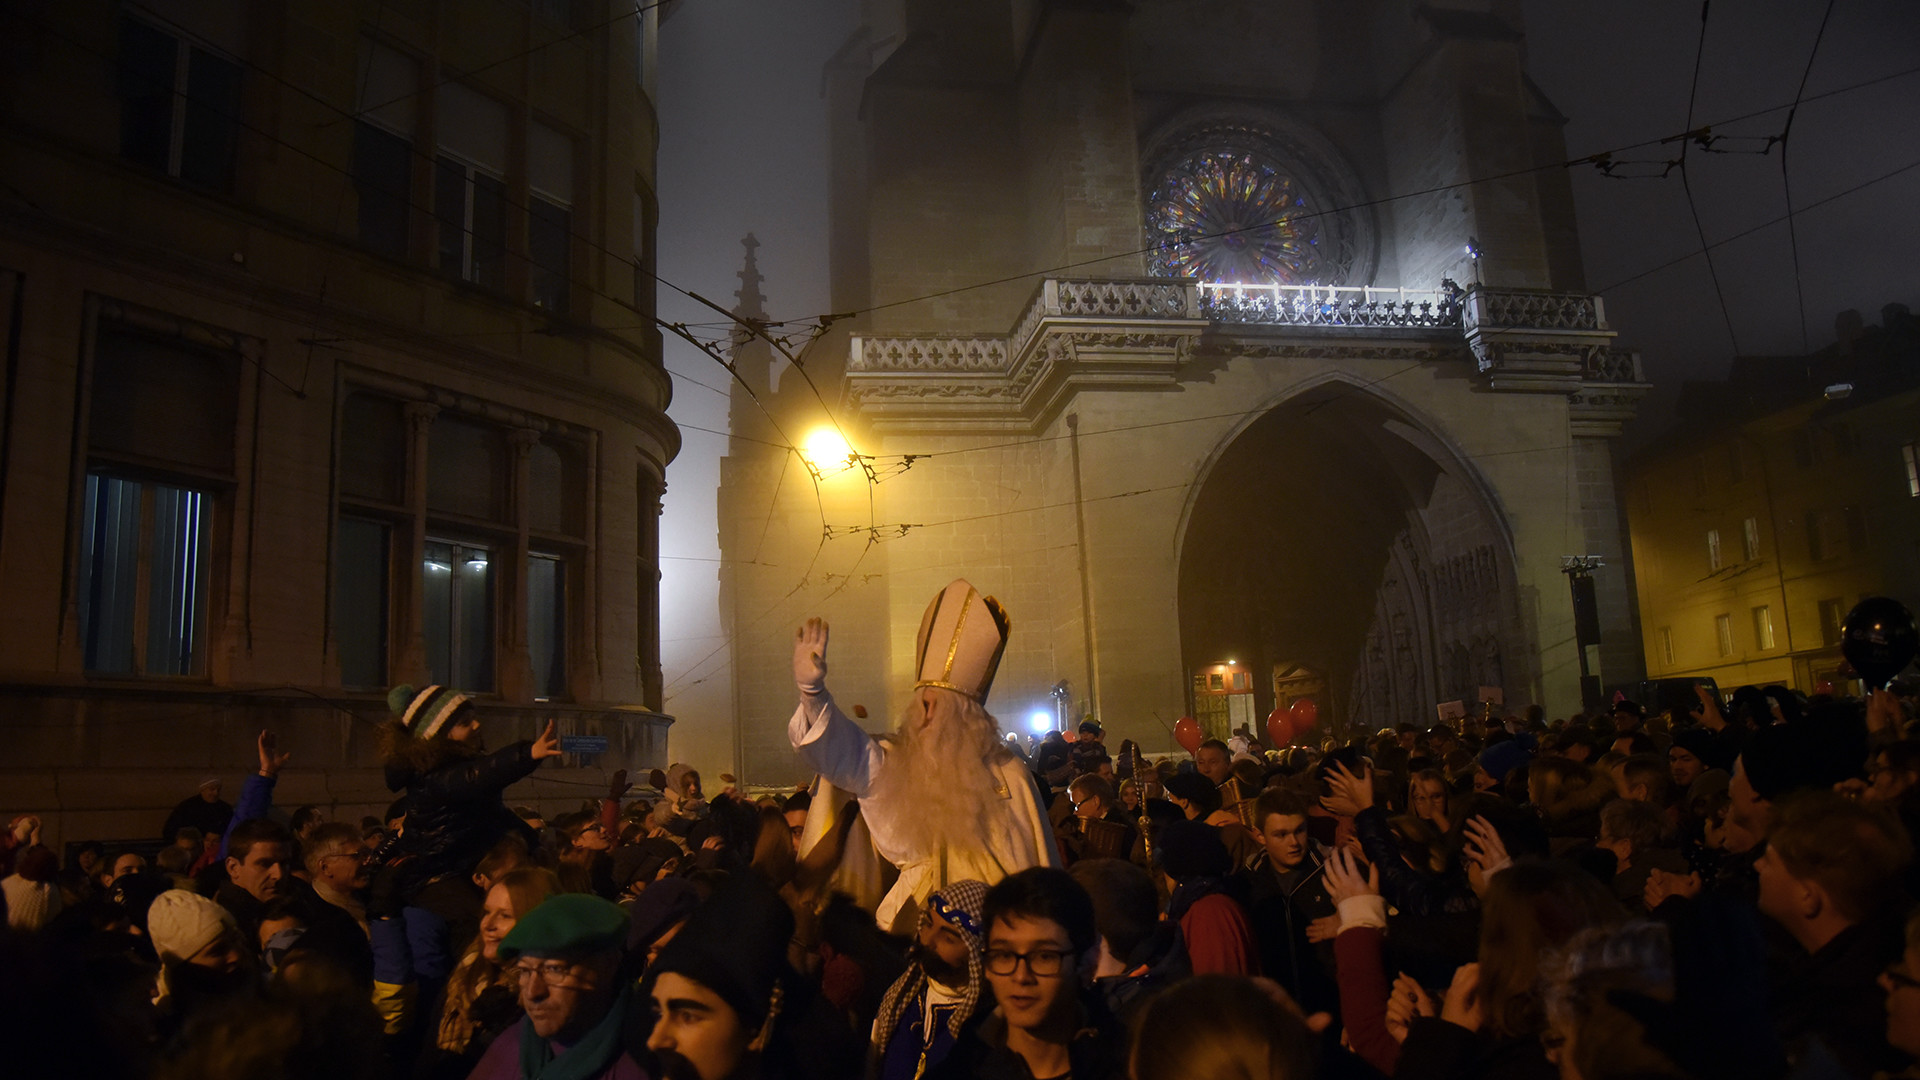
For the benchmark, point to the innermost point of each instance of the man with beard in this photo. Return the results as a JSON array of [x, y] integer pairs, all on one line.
[[942, 796], [565, 957], [926, 1007]]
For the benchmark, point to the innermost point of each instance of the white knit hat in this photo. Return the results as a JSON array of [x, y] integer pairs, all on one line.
[[181, 923], [30, 904]]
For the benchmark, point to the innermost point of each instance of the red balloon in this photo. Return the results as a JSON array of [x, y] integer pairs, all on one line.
[[1187, 733], [1279, 732], [1304, 714]]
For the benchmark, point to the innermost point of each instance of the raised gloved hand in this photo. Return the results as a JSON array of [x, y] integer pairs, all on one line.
[[810, 657]]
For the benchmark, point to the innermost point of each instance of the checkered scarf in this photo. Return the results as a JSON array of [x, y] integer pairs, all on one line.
[[959, 903]]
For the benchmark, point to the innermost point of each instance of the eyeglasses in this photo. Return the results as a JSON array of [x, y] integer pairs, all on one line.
[[1044, 963], [554, 973]]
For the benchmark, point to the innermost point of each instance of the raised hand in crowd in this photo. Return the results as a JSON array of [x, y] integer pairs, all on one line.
[[1662, 884], [26, 830], [1462, 1003], [1348, 794], [1708, 711], [272, 759], [1484, 847], [1407, 1001], [617, 785], [810, 657], [1348, 875], [1886, 717], [547, 745]]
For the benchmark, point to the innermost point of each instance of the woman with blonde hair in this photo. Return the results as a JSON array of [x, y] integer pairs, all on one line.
[[482, 999]]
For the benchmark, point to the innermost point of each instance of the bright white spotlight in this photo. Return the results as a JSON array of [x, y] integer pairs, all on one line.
[[825, 450], [1040, 722]]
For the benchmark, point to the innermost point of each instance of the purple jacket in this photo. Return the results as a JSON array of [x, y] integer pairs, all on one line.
[[502, 1061]]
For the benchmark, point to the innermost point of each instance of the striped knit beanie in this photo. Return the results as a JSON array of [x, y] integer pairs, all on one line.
[[424, 712]]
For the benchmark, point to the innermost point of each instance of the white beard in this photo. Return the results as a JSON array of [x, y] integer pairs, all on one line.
[[938, 781]]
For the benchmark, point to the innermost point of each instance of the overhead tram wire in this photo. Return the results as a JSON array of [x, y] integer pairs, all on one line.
[[680, 330], [275, 139], [1593, 159], [490, 65], [1686, 182], [1786, 183], [1704, 248], [827, 318], [1241, 414]]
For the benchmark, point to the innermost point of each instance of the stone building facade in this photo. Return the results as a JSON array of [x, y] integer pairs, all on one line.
[[1784, 496], [1194, 333], [329, 366]]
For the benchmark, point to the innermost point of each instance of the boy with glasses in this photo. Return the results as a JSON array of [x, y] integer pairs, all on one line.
[[1039, 957]]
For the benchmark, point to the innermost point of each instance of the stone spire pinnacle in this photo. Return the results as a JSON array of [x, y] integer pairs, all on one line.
[[753, 305]]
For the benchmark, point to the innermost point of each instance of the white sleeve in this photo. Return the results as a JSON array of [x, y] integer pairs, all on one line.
[[834, 746]]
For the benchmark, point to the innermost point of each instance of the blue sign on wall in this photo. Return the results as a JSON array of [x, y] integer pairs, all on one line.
[[583, 744]]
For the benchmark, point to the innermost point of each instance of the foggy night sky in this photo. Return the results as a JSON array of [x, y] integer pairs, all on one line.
[[742, 150]]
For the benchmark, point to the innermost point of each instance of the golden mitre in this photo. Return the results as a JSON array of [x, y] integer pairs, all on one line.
[[962, 637]]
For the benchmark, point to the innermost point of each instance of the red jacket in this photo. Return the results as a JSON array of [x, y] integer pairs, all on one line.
[[1219, 940]]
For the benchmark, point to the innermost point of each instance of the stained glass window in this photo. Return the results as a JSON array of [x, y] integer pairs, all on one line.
[[1230, 203]]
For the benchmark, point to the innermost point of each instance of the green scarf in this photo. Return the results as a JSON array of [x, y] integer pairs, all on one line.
[[586, 1058]]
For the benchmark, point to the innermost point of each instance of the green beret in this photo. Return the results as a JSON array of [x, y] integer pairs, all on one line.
[[567, 923]]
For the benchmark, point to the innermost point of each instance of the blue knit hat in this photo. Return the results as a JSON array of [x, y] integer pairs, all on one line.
[[1503, 757], [424, 712]]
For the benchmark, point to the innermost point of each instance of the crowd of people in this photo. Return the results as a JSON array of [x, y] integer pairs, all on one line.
[[1719, 892]]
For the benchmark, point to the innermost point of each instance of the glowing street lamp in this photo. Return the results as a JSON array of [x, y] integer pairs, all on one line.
[[826, 452]]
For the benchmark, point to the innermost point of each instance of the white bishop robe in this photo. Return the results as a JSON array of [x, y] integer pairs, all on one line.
[[850, 759]]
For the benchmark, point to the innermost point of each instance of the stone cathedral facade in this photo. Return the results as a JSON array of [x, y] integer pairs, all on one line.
[[1232, 346]]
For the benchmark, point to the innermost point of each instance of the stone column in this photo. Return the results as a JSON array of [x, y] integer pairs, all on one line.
[[409, 618], [516, 665]]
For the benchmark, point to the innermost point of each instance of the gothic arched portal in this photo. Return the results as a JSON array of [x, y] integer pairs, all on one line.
[[1324, 535]]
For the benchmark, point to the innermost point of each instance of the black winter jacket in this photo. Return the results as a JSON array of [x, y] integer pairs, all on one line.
[[454, 811]]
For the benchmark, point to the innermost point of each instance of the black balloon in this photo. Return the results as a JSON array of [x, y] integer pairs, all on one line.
[[1878, 638]]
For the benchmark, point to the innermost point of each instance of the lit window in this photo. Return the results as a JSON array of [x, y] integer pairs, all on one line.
[[457, 594], [1911, 458], [179, 106], [1666, 645], [1723, 629], [1713, 549], [143, 586], [1763, 627], [1750, 536]]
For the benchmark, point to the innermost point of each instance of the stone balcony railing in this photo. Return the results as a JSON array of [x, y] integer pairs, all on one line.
[[1140, 332], [1330, 305]]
